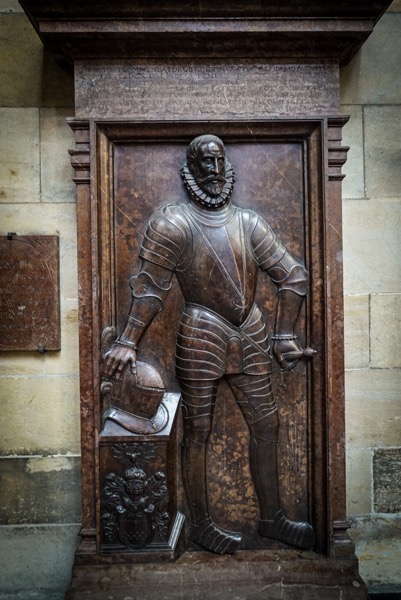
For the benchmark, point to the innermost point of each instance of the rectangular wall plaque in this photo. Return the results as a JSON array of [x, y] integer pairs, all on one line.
[[29, 293]]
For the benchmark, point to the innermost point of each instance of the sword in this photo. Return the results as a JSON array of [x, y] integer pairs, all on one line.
[[297, 354]]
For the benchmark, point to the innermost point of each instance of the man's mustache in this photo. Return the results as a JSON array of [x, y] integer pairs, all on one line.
[[211, 179]]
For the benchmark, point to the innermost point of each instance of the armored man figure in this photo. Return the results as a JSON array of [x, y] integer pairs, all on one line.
[[216, 250]]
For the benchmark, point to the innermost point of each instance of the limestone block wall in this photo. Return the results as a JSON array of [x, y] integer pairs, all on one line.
[[39, 395], [371, 95]]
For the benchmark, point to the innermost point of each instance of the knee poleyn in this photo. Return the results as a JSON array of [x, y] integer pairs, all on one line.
[[266, 429]]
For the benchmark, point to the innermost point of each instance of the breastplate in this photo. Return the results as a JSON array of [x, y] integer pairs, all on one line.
[[221, 273]]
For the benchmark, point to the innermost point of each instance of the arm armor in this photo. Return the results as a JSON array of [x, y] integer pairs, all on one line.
[[166, 238], [162, 247], [292, 280], [288, 274], [290, 277], [267, 248], [143, 285], [272, 257], [149, 290]]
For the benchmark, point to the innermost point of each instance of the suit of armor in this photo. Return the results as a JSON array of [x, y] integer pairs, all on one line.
[[216, 262], [216, 256]]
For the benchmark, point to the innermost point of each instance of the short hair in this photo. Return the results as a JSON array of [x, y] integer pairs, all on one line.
[[194, 146]]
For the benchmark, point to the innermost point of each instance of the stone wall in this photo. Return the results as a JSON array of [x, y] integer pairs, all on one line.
[[39, 394], [371, 95], [39, 436]]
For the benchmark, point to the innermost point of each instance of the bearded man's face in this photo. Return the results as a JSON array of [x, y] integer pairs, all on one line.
[[209, 168]]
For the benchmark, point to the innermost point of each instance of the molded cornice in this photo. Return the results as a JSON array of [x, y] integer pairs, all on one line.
[[296, 29]]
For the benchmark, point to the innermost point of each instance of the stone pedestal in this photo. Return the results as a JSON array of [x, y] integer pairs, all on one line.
[[265, 79], [138, 490], [247, 575]]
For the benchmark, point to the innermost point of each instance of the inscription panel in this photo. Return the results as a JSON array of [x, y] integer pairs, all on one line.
[[29, 293], [193, 89]]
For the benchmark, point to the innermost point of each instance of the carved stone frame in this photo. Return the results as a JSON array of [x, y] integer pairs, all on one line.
[[321, 139]]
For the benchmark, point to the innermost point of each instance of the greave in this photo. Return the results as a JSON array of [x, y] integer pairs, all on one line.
[[273, 521], [203, 530], [194, 479], [263, 463]]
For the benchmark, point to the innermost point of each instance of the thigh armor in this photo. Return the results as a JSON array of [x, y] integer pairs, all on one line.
[[202, 344]]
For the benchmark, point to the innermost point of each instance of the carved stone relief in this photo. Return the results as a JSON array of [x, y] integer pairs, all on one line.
[[134, 505], [216, 249]]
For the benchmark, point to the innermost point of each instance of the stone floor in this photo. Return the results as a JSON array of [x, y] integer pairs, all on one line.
[[385, 596]]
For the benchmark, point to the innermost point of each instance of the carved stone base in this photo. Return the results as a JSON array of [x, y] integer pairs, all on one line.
[[246, 575], [138, 504]]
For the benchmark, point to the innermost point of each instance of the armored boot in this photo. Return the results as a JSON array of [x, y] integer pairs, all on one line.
[[273, 522], [214, 538], [203, 530], [296, 533]]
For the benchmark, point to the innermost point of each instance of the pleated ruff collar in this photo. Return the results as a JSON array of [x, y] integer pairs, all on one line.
[[202, 197]]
